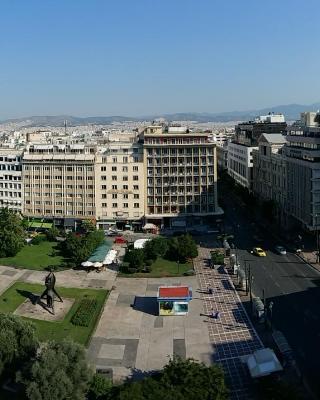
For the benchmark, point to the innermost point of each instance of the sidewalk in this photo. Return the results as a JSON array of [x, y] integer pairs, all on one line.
[[232, 335]]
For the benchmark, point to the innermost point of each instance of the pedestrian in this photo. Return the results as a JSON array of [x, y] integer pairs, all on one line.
[[212, 313], [217, 315], [210, 290]]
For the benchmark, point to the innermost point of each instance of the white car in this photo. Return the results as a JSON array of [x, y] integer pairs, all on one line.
[[281, 250]]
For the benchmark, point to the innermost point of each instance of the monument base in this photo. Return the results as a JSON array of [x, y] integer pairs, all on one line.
[[41, 311]]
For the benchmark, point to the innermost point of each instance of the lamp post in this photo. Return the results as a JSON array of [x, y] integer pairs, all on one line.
[[178, 267], [270, 314], [317, 233]]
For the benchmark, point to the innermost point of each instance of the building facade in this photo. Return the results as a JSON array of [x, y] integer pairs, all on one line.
[[180, 177], [120, 183], [240, 162], [302, 155], [59, 182], [270, 173], [11, 190]]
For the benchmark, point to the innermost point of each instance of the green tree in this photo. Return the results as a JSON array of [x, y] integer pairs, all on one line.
[[135, 258], [187, 248], [12, 233], [52, 233], [100, 387], [179, 380], [60, 372], [160, 245], [18, 342], [88, 225]]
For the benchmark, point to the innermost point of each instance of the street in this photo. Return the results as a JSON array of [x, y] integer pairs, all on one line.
[[291, 284]]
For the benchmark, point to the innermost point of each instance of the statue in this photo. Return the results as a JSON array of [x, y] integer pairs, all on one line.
[[50, 291]]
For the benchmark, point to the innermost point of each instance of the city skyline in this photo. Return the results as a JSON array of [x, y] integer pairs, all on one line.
[[139, 59]]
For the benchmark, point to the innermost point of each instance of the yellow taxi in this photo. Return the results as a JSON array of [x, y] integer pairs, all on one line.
[[259, 252]]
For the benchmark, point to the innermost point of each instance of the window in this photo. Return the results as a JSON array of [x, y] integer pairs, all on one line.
[[114, 168], [135, 168], [114, 187], [114, 205], [135, 187], [135, 196], [104, 205], [104, 196], [125, 196], [103, 187], [125, 159], [125, 187], [114, 159], [114, 177], [135, 177], [124, 169], [125, 205], [103, 169], [136, 205], [114, 195], [124, 178], [103, 177]]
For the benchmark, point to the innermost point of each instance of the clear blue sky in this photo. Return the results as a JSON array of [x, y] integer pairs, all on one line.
[[135, 57]]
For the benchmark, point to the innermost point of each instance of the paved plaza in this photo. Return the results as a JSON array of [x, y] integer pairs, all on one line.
[[131, 339]]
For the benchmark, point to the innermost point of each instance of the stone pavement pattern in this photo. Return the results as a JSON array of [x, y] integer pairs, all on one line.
[[232, 335], [133, 340]]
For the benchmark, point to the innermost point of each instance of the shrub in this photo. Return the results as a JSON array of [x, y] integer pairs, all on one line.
[[52, 233], [146, 269], [149, 262], [124, 267], [132, 270], [38, 239], [85, 312]]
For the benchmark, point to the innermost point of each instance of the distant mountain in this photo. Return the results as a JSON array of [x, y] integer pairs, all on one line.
[[291, 112]]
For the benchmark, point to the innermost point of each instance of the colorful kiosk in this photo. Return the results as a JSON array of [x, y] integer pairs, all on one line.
[[174, 300]]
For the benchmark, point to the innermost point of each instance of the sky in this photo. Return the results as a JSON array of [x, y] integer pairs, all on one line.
[[141, 57]]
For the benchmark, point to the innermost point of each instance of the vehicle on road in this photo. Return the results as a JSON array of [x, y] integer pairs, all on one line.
[[280, 250], [259, 252]]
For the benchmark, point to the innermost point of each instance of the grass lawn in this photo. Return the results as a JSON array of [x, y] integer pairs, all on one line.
[[57, 330], [161, 268], [37, 256]]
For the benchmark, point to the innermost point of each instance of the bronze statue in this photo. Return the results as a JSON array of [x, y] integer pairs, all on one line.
[[50, 291]]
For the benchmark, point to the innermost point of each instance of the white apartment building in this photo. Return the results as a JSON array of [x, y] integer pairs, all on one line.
[[120, 182], [240, 163], [11, 191]]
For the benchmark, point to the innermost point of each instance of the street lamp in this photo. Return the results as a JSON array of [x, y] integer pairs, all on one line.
[[317, 233], [270, 313]]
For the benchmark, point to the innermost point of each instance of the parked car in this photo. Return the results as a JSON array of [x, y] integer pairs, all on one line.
[[281, 250], [259, 252]]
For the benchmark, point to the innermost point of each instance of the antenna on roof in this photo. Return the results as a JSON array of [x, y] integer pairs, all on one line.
[[65, 127]]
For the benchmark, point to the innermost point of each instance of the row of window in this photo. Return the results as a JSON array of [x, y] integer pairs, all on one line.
[[115, 178], [60, 203], [180, 152], [124, 205], [69, 195], [10, 178], [135, 168], [69, 212], [10, 194], [58, 186], [115, 196], [6, 185], [55, 168], [124, 159], [115, 187], [59, 177]]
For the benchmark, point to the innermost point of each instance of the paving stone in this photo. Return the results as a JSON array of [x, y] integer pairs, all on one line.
[[9, 272], [125, 299], [179, 348]]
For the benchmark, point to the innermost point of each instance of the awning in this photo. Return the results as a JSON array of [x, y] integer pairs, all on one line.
[[149, 226]]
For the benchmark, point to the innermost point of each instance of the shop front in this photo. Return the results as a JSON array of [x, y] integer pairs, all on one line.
[[174, 300]]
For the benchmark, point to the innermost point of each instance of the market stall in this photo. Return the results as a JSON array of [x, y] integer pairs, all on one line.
[[174, 300]]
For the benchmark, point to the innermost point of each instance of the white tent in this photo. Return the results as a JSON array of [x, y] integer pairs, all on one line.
[[140, 243], [110, 257], [87, 264], [149, 226], [263, 362]]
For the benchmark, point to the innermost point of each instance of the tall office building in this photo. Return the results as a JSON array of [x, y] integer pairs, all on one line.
[[180, 176]]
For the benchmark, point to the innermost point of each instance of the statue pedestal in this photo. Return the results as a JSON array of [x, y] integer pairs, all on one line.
[[40, 310]]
